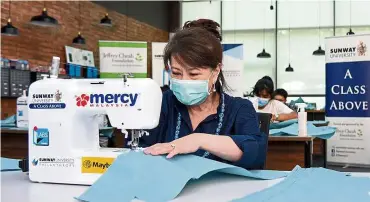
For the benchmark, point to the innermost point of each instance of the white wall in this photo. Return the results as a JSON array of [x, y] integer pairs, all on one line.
[[244, 21]]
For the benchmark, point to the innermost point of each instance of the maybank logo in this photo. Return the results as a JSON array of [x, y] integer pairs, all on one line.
[[107, 100], [95, 164]]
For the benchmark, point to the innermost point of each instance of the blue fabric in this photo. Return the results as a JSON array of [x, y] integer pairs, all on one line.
[[319, 122], [9, 164], [9, 122], [158, 179], [283, 124], [315, 184], [324, 132], [240, 123]]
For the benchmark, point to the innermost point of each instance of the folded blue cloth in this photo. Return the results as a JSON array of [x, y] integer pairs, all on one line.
[[155, 178], [319, 123], [315, 184], [283, 124], [9, 164], [9, 122], [324, 132]]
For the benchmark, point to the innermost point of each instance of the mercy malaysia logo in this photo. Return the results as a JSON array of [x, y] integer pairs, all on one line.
[[107, 100]]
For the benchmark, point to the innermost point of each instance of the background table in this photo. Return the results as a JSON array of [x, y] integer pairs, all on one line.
[[285, 152]]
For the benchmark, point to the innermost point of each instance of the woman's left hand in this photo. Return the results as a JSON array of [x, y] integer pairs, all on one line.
[[188, 144]]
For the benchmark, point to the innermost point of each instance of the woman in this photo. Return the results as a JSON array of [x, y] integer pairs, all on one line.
[[264, 89], [197, 117]]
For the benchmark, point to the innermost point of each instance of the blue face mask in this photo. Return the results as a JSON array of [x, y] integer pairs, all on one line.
[[263, 102], [190, 92]]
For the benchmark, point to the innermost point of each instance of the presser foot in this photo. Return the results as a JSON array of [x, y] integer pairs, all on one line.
[[135, 138]]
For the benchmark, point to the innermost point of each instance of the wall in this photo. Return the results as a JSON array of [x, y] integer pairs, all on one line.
[[156, 13], [38, 45]]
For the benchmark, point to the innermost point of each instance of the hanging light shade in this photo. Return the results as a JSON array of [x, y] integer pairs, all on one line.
[[289, 69], [319, 52], [350, 32], [44, 20], [106, 21], [9, 29], [263, 54], [79, 39]]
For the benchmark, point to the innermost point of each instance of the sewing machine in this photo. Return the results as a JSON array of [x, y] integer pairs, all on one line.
[[63, 124]]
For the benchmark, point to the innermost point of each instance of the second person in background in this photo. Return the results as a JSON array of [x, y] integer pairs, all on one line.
[[264, 89]]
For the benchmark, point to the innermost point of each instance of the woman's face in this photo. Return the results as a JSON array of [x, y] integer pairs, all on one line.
[[181, 72], [265, 94]]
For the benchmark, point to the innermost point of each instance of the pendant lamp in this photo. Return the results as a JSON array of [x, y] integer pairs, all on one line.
[[79, 39], [319, 51], [9, 29], [44, 19], [106, 21], [271, 6], [289, 68], [264, 54], [350, 32]]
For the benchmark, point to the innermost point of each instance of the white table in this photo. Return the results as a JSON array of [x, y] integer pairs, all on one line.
[[15, 187]]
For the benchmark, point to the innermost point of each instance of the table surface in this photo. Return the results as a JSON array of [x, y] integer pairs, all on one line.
[[15, 187], [291, 138]]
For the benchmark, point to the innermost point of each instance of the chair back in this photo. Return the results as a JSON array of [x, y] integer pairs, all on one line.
[[264, 125]]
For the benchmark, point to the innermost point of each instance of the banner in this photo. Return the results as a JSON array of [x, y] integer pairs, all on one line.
[[233, 68], [158, 72], [79, 57], [118, 57], [347, 99]]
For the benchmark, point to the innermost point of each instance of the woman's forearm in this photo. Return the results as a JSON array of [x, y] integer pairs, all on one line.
[[284, 117], [221, 146]]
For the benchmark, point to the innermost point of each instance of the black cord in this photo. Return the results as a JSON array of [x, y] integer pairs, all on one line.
[[319, 23], [79, 20], [264, 30], [350, 14], [289, 33], [127, 10], [10, 10]]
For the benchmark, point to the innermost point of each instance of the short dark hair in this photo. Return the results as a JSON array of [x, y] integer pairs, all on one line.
[[281, 92], [265, 83], [198, 45]]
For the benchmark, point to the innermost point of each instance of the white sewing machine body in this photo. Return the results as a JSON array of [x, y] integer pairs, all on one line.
[[63, 128]]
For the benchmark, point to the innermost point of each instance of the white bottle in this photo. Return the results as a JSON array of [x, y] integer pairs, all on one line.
[[22, 111], [54, 69], [302, 120]]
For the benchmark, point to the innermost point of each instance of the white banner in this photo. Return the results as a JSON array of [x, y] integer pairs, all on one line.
[[118, 57], [347, 99], [158, 70], [233, 68]]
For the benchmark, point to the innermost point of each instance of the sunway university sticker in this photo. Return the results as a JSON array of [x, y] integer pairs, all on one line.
[[47, 101]]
